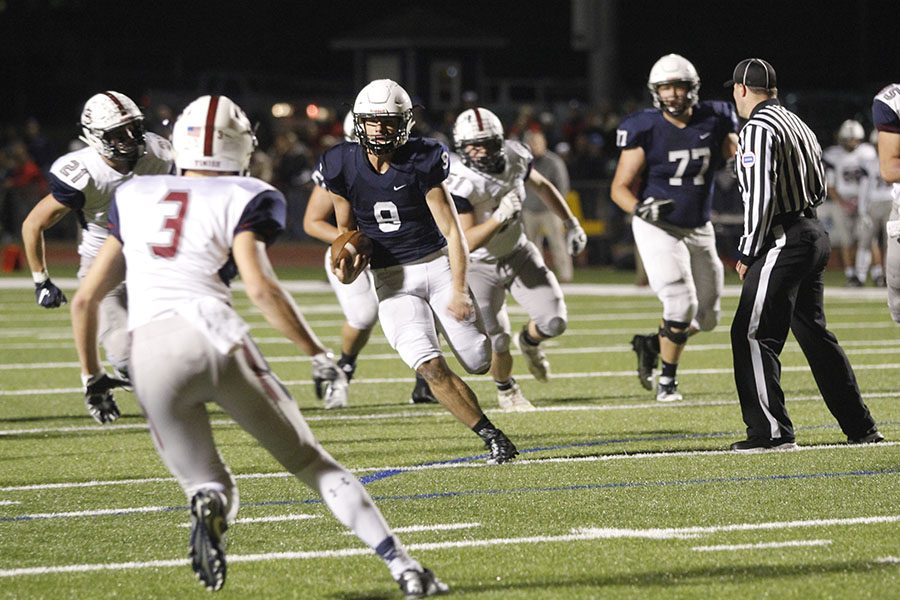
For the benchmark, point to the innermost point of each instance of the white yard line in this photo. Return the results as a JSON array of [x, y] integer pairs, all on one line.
[[586, 534], [274, 519], [435, 527], [761, 546]]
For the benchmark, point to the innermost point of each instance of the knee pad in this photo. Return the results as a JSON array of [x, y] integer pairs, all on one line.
[[500, 342], [677, 337], [679, 301], [554, 327]]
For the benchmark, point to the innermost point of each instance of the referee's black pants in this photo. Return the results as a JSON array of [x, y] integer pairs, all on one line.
[[783, 289]]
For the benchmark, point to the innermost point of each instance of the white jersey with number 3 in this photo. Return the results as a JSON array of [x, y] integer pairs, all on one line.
[[177, 234]]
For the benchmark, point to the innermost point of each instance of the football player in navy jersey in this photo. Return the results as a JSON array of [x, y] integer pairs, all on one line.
[[391, 186], [664, 178]]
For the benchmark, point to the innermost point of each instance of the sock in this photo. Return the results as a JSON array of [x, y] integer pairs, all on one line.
[[485, 429], [394, 554], [526, 337], [668, 370], [505, 385], [877, 271], [347, 363]]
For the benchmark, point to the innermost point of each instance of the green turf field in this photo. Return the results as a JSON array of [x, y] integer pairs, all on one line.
[[613, 496]]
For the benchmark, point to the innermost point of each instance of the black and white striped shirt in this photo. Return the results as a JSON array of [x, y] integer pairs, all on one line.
[[779, 170]]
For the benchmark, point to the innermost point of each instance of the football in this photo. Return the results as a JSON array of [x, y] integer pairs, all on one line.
[[348, 245]]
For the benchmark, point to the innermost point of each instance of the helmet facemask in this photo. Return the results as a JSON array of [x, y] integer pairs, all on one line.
[[678, 104], [487, 155], [382, 133], [123, 144]]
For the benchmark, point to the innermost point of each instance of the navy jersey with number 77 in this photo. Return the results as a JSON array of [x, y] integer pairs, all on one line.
[[390, 207], [680, 161]]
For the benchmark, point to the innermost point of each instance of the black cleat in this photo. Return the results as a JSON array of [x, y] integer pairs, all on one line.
[[648, 358], [207, 541], [501, 448], [854, 282], [753, 445], [421, 393], [872, 437], [418, 584]]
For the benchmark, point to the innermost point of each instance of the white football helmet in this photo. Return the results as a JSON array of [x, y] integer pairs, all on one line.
[[350, 128], [213, 134], [478, 139], [851, 131], [382, 100], [674, 69], [113, 125]]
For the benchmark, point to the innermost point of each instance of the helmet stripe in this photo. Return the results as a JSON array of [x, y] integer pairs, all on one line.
[[478, 118], [118, 104], [210, 125]]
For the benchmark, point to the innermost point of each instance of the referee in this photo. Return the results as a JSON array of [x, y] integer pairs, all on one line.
[[784, 252]]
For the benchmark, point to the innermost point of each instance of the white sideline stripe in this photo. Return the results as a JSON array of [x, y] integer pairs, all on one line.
[[692, 532], [9, 502], [889, 560], [99, 512], [762, 545], [585, 375], [274, 519], [864, 347], [460, 465], [586, 534], [423, 413]]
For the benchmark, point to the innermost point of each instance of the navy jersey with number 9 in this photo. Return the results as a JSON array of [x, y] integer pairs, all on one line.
[[390, 207], [680, 161]]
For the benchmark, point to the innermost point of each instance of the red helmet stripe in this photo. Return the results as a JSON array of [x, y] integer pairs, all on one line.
[[118, 104], [478, 118], [210, 125]]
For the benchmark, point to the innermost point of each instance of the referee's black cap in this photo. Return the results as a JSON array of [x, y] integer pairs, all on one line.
[[754, 72]]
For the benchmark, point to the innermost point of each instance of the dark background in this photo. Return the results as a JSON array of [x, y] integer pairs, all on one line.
[[56, 53]]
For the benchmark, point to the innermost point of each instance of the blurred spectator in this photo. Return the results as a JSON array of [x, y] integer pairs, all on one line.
[[540, 223], [24, 185], [292, 165], [261, 166], [39, 146]]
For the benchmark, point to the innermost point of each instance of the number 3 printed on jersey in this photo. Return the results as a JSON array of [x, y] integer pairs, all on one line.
[[172, 225]]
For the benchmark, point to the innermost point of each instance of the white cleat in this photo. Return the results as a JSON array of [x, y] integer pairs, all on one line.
[[668, 392], [534, 356], [336, 394], [513, 399]]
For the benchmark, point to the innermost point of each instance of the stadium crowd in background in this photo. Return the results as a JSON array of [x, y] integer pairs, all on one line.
[[583, 136]]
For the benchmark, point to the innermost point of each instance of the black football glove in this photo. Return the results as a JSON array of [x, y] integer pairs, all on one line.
[[99, 399], [653, 209], [48, 295]]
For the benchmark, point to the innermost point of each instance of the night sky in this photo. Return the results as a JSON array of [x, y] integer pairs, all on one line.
[[58, 52]]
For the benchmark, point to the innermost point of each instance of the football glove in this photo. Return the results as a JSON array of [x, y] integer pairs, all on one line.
[[46, 294], [330, 380], [576, 238], [653, 209], [509, 208], [99, 399]]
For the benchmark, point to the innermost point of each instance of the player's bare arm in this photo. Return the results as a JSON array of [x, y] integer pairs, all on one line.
[[42, 217], [550, 195], [315, 219], [729, 146], [889, 156], [267, 294], [447, 220], [631, 165], [106, 272], [478, 234]]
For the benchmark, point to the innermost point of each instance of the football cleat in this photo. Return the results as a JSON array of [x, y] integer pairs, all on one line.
[[534, 356], [668, 392], [335, 394], [514, 399], [207, 541], [419, 584], [647, 357], [501, 448], [421, 393], [756, 445], [872, 437], [124, 376]]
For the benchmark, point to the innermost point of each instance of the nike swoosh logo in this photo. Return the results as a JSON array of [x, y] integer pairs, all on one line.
[[703, 136], [400, 187], [44, 294]]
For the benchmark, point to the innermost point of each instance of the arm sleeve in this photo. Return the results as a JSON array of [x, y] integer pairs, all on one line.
[[439, 168], [462, 204], [265, 215], [757, 180], [65, 194], [885, 118]]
